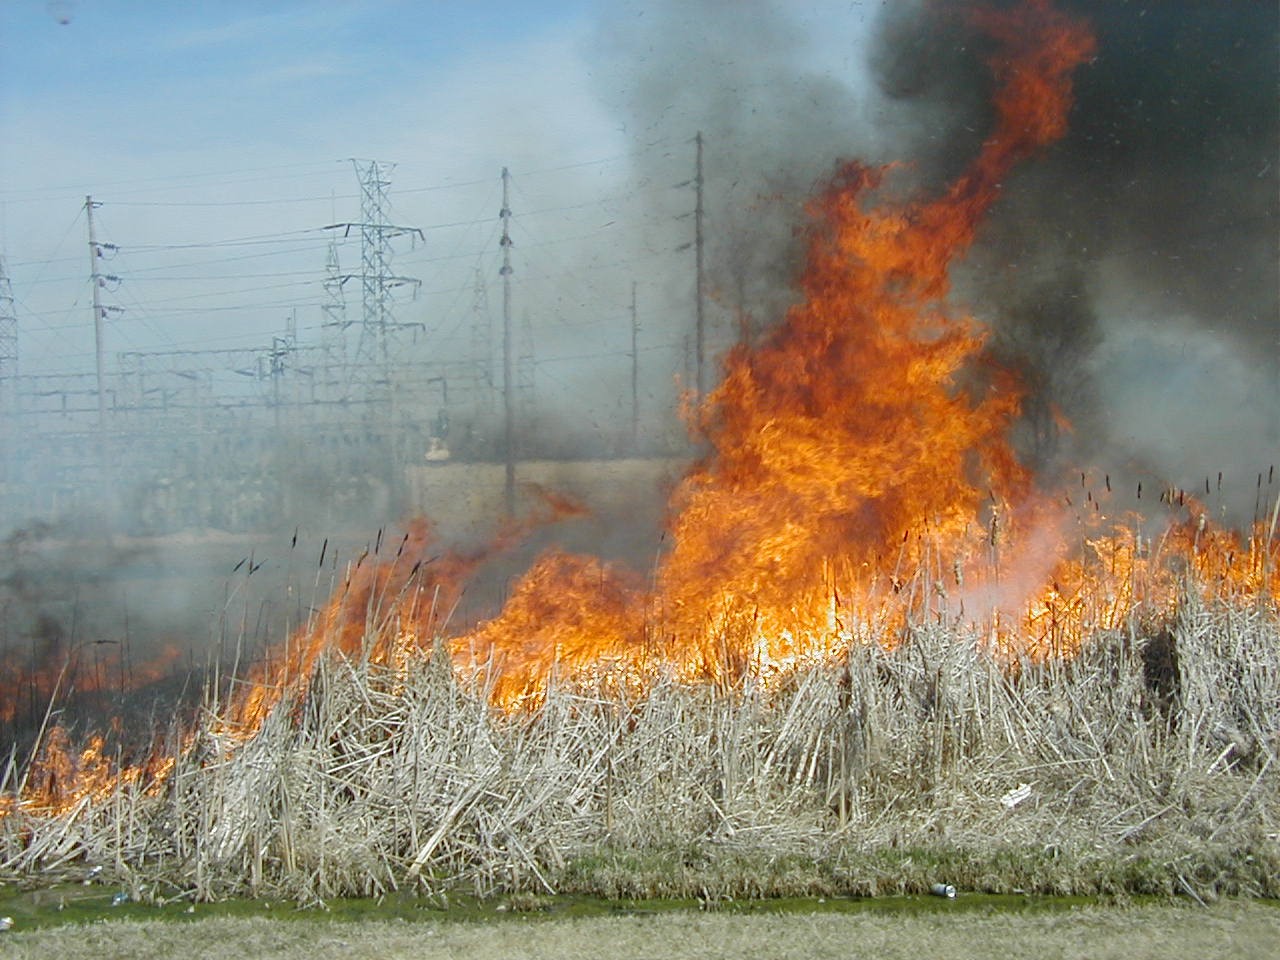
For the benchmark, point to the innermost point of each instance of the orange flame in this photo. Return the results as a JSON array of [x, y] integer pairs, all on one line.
[[383, 610], [840, 435], [859, 478]]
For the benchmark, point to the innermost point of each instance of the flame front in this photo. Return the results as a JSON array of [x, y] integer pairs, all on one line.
[[858, 479], [854, 440]]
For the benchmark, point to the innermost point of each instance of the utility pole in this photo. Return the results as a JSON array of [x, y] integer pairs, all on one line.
[[94, 278], [508, 379], [635, 372], [8, 379], [97, 281], [700, 332]]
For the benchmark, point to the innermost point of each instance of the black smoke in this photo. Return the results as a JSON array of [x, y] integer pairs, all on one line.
[[1136, 262], [773, 123]]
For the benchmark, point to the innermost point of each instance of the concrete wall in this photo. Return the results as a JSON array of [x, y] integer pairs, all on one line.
[[465, 500]]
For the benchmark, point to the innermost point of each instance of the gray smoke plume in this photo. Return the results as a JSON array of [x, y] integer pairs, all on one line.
[[741, 72]]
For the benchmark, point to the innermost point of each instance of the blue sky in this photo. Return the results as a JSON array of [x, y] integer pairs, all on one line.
[[218, 138], [146, 74], [201, 123]]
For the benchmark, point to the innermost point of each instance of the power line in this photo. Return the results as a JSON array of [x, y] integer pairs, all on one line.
[[232, 203], [175, 179], [317, 168], [266, 238], [195, 278]]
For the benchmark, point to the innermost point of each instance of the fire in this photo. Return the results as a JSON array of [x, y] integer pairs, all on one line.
[[94, 672], [63, 778], [858, 479], [385, 610], [1119, 573], [387, 600], [851, 438], [567, 614], [88, 678]]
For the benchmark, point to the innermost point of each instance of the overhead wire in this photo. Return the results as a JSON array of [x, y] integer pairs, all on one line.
[[173, 181], [138, 313], [146, 308]]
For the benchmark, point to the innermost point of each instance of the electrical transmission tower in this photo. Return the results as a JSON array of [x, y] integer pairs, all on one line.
[[378, 326], [334, 309], [334, 323]]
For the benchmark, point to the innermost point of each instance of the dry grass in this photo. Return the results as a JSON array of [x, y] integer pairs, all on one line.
[[1238, 931], [881, 773]]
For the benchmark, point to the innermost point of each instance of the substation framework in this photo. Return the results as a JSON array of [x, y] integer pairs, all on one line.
[[237, 439], [231, 438]]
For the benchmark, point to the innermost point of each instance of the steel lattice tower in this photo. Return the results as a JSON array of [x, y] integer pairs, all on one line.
[[334, 309], [377, 281], [375, 261]]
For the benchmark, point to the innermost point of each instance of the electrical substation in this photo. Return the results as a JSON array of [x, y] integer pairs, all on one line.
[[357, 419]]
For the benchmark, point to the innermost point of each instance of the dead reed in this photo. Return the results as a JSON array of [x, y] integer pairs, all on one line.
[[1146, 763]]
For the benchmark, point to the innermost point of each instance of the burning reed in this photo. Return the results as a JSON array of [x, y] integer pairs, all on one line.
[[1144, 763]]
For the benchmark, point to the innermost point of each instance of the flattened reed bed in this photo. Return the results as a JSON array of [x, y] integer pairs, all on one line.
[[881, 772]]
